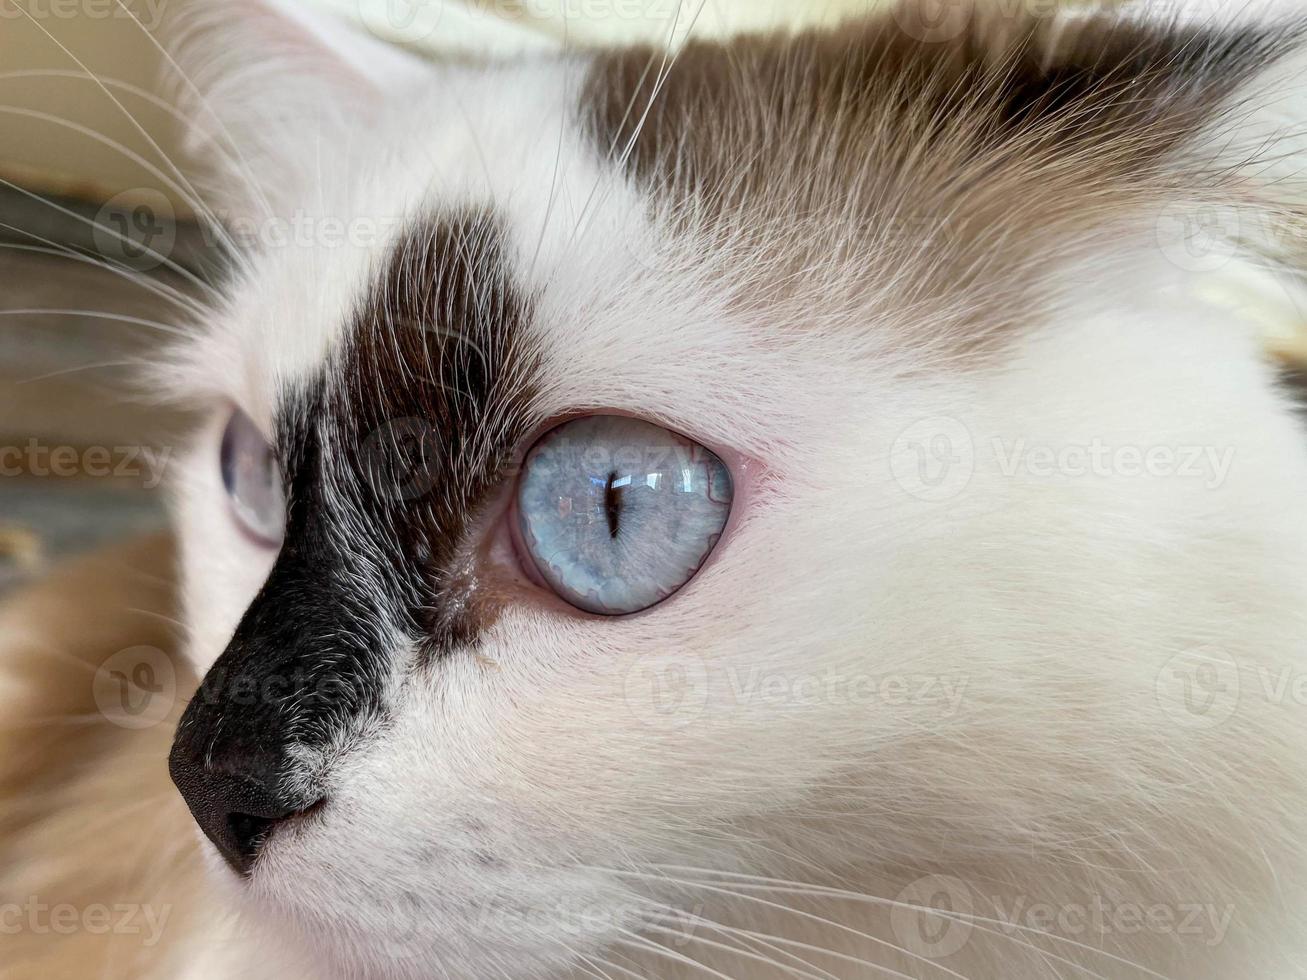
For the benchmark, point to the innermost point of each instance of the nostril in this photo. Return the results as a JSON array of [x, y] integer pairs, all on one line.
[[240, 836], [237, 796], [248, 833]]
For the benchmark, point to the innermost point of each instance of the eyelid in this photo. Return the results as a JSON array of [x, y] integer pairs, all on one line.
[[222, 409], [735, 460]]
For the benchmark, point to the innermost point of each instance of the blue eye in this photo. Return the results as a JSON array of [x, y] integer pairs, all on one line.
[[618, 514], [253, 480]]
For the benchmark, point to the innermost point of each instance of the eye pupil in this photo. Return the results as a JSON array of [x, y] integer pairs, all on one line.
[[662, 499], [612, 504]]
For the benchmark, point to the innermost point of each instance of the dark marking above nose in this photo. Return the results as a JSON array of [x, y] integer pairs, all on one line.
[[431, 398], [389, 456]]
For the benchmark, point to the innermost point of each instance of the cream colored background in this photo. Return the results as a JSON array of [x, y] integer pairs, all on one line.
[[60, 131]]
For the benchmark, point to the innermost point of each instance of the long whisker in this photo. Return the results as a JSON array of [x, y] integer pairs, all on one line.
[[243, 165], [979, 922], [770, 940], [160, 289], [156, 101], [669, 60], [115, 145], [162, 259], [811, 916], [641, 942], [78, 369], [552, 200], [98, 315], [737, 951], [194, 195], [595, 967], [765, 940]]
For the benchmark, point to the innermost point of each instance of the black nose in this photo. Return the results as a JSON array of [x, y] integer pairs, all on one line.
[[301, 675], [237, 798], [249, 749]]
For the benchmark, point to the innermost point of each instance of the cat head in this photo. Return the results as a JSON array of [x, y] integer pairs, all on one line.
[[474, 705]]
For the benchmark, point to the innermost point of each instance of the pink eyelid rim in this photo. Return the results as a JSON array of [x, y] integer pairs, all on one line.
[[744, 470]]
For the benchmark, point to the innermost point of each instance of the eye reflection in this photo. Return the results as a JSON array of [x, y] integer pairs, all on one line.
[[618, 513]]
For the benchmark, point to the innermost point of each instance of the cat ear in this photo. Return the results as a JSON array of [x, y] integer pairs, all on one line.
[[259, 82]]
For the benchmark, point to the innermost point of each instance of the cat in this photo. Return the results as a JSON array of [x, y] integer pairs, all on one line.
[[802, 505]]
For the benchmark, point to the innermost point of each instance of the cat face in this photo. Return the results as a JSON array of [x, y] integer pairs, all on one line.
[[468, 708]]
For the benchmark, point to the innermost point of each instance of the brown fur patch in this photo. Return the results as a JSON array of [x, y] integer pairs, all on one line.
[[954, 166]]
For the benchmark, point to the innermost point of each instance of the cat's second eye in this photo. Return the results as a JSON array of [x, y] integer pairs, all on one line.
[[617, 513], [252, 479]]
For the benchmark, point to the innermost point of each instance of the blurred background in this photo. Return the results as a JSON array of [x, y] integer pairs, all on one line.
[[88, 142]]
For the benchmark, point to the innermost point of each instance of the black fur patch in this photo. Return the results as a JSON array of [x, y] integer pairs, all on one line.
[[388, 456]]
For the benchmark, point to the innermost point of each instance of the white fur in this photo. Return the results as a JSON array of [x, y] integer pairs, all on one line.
[[981, 685]]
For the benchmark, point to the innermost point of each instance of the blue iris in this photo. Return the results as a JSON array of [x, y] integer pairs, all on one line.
[[253, 480], [618, 513]]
